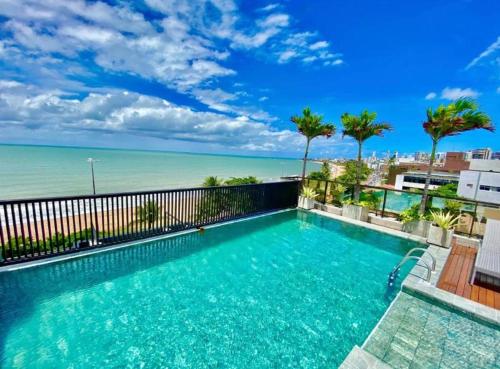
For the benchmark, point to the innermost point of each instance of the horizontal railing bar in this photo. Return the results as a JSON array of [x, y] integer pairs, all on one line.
[[462, 199], [115, 194]]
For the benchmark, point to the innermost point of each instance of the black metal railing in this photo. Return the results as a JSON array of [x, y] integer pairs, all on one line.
[[474, 213], [44, 227]]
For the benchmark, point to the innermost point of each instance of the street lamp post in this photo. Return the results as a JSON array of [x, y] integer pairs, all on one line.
[[93, 230], [92, 161]]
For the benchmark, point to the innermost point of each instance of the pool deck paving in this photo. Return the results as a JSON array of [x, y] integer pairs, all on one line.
[[416, 334], [456, 277]]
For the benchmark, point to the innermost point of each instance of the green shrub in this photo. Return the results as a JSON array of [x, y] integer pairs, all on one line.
[[452, 206]]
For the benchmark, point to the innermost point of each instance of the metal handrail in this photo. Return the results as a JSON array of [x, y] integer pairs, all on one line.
[[425, 251], [426, 265], [408, 256]]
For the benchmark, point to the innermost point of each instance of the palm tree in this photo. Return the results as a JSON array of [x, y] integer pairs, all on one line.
[[362, 127], [212, 181], [453, 119], [311, 126]]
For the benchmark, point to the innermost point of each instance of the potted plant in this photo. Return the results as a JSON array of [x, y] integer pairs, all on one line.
[[355, 210], [441, 228], [306, 198], [413, 222]]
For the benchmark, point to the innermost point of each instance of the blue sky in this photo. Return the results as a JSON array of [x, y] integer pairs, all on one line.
[[225, 76]]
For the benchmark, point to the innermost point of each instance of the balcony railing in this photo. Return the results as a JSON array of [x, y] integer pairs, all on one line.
[[44, 227], [393, 202]]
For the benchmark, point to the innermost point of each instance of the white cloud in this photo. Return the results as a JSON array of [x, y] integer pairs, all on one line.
[[303, 46], [495, 46], [6, 84], [333, 62], [430, 96], [319, 45], [128, 112], [498, 90], [269, 7], [60, 44], [456, 93], [263, 98], [286, 55]]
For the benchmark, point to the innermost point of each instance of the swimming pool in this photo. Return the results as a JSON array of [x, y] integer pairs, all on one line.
[[292, 289], [398, 201]]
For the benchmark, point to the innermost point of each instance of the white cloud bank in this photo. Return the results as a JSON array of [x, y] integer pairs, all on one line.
[[132, 113], [183, 44]]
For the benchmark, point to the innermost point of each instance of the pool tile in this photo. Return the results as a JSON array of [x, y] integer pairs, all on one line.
[[432, 337]]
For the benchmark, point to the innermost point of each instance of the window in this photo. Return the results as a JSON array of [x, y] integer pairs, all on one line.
[[489, 188]]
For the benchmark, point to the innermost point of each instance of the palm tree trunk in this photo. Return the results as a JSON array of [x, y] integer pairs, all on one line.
[[305, 159], [357, 188], [423, 202]]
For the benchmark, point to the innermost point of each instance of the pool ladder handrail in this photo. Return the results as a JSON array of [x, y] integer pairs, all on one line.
[[409, 256]]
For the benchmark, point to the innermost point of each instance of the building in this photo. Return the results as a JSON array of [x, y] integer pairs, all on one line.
[[481, 182], [409, 180], [483, 154], [495, 155], [455, 162], [421, 156]]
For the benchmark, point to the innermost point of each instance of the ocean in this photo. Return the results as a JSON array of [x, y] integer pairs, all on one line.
[[41, 171]]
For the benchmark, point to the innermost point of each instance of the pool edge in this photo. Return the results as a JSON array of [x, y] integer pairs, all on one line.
[[97, 250]]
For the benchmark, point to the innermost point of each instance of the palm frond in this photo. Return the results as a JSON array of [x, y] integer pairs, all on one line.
[[311, 125], [460, 116], [362, 126]]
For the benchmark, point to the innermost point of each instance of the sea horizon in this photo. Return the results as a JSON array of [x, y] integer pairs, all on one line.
[[154, 150], [32, 171]]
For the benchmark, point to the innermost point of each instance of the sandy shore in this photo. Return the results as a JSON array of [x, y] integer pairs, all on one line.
[[43, 222]]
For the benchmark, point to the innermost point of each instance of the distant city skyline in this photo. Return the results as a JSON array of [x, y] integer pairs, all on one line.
[[225, 77]]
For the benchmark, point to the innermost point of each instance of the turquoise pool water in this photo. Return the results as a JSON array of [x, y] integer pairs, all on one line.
[[288, 290], [398, 201]]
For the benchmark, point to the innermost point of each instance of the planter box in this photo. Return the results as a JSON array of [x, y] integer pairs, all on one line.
[[329, 208], [439, 236], [417, 228], [355, 212], [306, 203], [386, 222]]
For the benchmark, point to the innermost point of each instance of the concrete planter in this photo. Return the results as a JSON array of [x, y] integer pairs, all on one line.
[[440, 236], [306, 203], [385, 222], [417, 228], [355, 212], [328, 208]]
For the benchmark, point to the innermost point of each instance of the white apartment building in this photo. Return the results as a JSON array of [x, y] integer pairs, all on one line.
[[409, 180], [481, 182]]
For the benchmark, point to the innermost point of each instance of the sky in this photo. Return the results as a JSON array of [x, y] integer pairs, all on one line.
[[225, 76]]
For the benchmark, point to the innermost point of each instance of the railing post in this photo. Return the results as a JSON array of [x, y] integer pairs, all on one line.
[[383, 204], [326, 187], [473, 219]]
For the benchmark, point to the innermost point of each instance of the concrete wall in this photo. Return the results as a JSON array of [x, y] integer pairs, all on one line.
[[470, 182], [398, 184], [486, 165]]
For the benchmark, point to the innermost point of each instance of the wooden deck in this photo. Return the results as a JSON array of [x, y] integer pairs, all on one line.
[[457, 274]]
